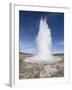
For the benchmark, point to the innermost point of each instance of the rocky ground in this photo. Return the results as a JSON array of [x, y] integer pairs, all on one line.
[[48, 70]]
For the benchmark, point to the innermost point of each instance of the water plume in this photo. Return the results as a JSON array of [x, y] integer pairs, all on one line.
[[44, 44]]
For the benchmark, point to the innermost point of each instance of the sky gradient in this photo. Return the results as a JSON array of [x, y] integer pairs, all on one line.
[[29, 27]]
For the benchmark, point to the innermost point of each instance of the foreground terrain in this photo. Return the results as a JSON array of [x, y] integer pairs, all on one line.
[[48, 70]]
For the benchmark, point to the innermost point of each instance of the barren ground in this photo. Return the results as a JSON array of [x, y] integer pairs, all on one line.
[[48, 70]]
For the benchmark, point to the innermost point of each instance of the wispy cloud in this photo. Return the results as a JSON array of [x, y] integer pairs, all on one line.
[[60, 43], [58, 47], [27, 47]]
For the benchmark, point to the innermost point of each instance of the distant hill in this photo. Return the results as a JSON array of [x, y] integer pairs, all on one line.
[[24, 55], [58, 54]]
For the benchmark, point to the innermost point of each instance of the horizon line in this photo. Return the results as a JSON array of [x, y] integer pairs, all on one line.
[[34, 53]]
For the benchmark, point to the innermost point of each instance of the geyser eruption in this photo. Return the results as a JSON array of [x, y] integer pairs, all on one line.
[[44, 41], [44, 45]]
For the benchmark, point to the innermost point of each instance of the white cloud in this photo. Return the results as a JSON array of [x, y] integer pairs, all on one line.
[[60, 43], [25, 45]]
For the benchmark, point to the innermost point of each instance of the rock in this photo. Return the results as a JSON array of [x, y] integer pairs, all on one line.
[[47, 71], [26, 75], [33, 70]]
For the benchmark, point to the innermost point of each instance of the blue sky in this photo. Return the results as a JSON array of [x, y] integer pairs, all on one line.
[[29, 27]]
